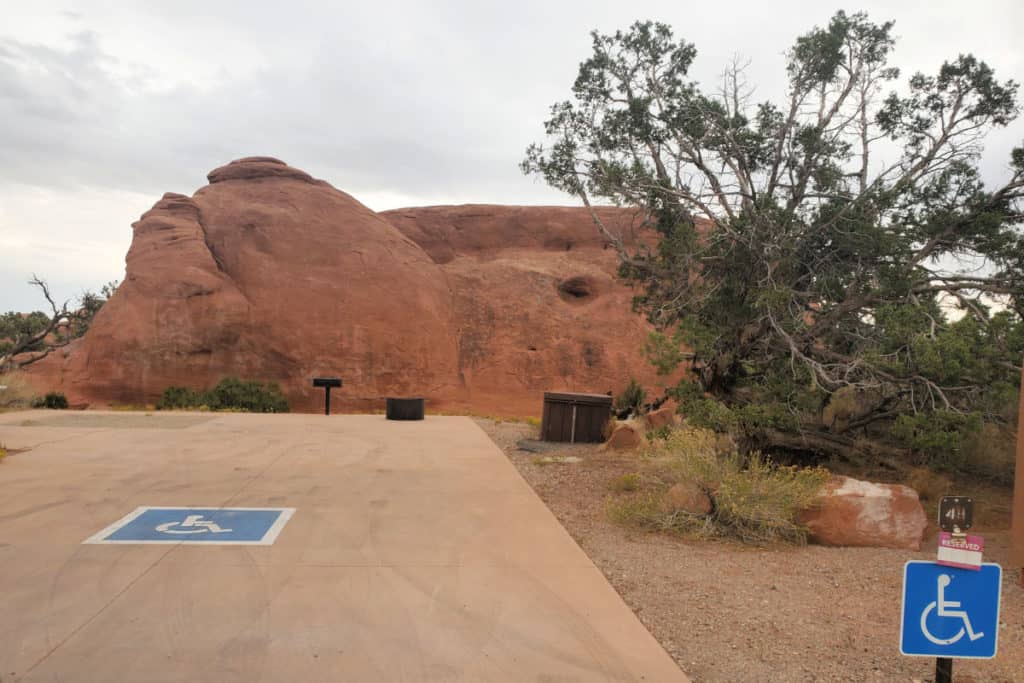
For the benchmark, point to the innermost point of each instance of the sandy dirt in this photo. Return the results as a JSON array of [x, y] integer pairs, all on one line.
[[729, 612]]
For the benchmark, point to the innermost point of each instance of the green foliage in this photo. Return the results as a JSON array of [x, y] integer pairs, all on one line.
[[664, 352], [53, 400], [14, 326], [753, 500], [229, 394], [792, 263], [27, 338], [938, 436], [90, 304], [180, 398], [631, 399]]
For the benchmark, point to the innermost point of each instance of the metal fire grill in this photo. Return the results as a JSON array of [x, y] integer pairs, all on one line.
[[576, 418]]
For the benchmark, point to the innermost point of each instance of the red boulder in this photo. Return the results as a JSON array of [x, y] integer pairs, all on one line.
[[851, 512]]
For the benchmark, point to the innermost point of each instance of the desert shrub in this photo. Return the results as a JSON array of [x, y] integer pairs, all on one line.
[[703, 411], [252, 397], [179, 397], [3, 452], [647, 510], [53, 400], [930, 486], [662, 432], [15, 393], [627, 482], [760, 502], [990, 452], [230, 394], [937, 437], [631, 399], [753, 499]]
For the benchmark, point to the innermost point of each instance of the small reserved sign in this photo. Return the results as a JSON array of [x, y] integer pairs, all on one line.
[[960, 551]]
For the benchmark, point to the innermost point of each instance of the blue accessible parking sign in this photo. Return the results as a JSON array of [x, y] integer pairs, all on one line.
[[949, 612], [208, 526]]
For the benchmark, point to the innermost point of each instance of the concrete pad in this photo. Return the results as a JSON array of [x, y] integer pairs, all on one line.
[[415, 553]]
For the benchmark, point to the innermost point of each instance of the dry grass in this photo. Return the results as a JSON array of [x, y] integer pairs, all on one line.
[[930, 485], [991, 453], [16, 394], [753, 500], [625, 483], [132, 407]]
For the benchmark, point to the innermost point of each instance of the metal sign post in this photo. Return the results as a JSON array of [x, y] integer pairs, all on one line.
[[951, 606], [327, 383], [949, 612], [1017, 535]]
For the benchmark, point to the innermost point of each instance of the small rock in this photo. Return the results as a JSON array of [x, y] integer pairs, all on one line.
[[665, 416], [686, 496], [625, 435]]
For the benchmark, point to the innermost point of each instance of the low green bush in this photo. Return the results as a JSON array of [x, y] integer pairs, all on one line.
[[53, 400], [938, 437], [230, 394], [179, 397]]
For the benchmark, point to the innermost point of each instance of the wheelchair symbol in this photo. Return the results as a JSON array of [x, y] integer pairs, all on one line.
[[193, 524], [946, 608]]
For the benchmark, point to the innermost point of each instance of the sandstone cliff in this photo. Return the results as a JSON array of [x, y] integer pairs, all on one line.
[[269, 274]]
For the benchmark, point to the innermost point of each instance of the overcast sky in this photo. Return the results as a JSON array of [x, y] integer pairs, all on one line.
[[106, 105]]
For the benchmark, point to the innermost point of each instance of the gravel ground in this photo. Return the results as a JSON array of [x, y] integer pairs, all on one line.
[[729, 612]]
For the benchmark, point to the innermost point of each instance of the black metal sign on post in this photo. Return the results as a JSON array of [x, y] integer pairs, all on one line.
[[327, 383], [956, 513]]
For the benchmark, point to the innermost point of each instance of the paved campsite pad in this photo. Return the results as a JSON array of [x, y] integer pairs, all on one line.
[[116, 420], [415, 553]]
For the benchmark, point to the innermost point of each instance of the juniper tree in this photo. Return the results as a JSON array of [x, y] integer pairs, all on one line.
[[28, 338], [837, 246]]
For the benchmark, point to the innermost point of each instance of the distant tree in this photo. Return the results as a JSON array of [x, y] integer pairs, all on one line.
[[29, 337], [833, 268]]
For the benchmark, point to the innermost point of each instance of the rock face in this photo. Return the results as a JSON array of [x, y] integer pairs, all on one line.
[[269, 274], [625, 436], [665, 416], [851, 512]]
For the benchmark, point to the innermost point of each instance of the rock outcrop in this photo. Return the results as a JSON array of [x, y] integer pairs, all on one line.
[[851, 512], [269, 274], [625, 436]]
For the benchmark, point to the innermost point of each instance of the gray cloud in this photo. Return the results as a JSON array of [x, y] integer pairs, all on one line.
[[396, 103]]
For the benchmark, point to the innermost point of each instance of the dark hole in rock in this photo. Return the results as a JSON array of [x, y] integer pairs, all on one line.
[[576, 289]]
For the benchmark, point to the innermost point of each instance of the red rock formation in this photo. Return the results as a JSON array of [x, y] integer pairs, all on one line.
[[268, 274], [851, 512]]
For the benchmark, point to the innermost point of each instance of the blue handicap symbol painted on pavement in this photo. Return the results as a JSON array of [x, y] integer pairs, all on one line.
[[949, 612], [228, 526]]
